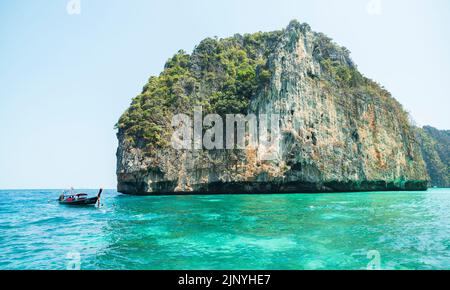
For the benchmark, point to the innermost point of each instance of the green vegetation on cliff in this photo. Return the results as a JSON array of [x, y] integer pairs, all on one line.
[[221, 75]]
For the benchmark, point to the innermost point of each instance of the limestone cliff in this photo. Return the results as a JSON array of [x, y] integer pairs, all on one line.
[[339, 130]]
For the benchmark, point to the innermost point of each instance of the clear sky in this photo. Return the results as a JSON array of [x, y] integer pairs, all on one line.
[[65, 79]]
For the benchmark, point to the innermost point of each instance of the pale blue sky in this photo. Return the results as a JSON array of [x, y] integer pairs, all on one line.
[[66, 79]]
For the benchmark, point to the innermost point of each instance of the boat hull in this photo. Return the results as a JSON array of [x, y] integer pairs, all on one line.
[[87, 201]]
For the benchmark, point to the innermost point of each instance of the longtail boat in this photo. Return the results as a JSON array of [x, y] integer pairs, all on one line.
[[79, 199]]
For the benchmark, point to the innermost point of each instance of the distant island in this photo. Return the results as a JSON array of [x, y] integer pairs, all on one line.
[[435, 146], [339, 131]]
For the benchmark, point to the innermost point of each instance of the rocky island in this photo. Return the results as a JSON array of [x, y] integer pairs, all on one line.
[[435, 147], [340, 131]]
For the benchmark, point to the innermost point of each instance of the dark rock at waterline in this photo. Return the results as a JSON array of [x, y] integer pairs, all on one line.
[[169, 188]]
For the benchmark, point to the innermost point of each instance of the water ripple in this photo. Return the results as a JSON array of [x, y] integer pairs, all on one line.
[[410, 231]]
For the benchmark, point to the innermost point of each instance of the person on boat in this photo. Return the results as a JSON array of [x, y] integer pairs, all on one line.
[[61, 197]]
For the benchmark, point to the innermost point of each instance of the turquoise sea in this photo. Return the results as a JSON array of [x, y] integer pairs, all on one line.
[[392, 230]]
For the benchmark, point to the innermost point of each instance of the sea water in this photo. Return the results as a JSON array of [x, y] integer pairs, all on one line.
[[377, 230]]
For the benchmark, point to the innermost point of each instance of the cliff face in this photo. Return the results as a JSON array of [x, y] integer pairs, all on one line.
[[435, 146], [339, 130]]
